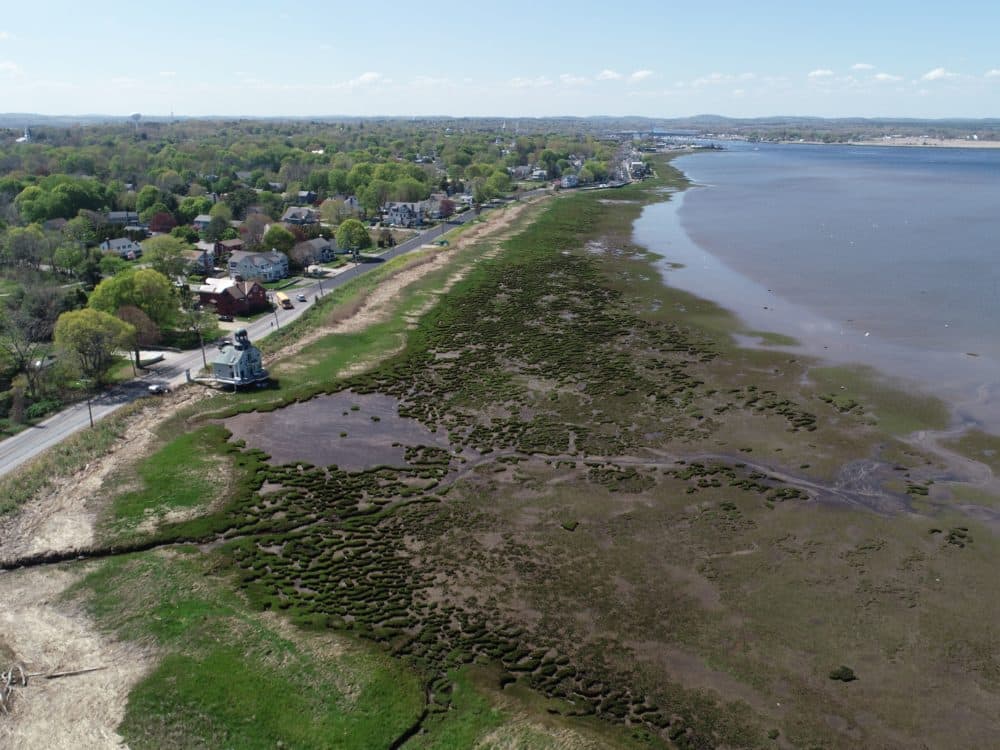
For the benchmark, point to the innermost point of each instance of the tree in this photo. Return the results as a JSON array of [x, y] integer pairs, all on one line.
[[146, 331], [144, 288], [166, 255], [221, 209], [26, 246], [254, 227], [92, 337], [112, 264], [162, 222], [446, 207], [187, 234], [216, 228], [147, 197], [198, 320], [192, 206], [353, 235], [279, 238], [25, 339]]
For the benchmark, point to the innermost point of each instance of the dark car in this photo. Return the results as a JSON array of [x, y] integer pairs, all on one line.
[[226, 318]]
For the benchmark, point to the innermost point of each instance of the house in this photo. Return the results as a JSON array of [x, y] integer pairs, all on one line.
[[570, 181], [539, 174], [520, 172], [405, 214], [269, 266], [123, 247], [306, 196], [300, 215], [319, 250], [121, 218], [201, 222], [199, 260], [230, 297], [239, 363]]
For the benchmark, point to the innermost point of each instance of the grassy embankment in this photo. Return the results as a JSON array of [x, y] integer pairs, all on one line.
[[637, 521]]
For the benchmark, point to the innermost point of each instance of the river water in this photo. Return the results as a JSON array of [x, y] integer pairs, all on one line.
[[883, 256]]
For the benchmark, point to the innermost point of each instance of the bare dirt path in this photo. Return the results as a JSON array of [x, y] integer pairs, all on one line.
[[47, 635]]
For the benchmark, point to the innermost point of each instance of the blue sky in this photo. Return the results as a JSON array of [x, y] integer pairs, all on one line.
[[660, 59]]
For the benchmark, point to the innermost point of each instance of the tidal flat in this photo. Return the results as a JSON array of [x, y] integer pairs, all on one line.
[[627, 531]]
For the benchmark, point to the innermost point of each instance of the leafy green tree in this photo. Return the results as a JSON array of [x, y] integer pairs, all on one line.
[[148, 196], [216, 228], [352, 235], [187, 234], [166, 255], [111, 264], [92, 337], [278, 238], [25, 246], [221, 209], [191, 206], [144, 288]]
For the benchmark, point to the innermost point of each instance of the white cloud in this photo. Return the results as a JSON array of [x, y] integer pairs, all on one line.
[[10, 69], [887, 77], [5, 35], [995, 73], [572, 80], [608, 75], [820, 73], [640, 75], [710, 79], [369, 78], [862, 66], [168, 73], [530, 83], [938, 74]]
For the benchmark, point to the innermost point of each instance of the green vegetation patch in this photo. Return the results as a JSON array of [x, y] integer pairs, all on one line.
[[267, 686], [187, 473]]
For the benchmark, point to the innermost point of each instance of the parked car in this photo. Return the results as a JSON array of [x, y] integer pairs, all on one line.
[[159, 389], [226, 318]]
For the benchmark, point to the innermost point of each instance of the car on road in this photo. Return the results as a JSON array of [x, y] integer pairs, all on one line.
[[159, 389], [226, 318], [300, 297]]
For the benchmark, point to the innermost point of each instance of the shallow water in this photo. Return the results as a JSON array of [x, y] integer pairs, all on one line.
[[310, 431], [881, 256]]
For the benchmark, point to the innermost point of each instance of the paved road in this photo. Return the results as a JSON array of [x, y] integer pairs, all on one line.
[[27, 444]]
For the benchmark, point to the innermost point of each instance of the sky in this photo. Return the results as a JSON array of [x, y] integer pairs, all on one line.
[[511, 59]]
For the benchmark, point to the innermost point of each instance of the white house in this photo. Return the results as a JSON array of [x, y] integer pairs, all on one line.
[[406, 214], [123, 247], [269, 266]]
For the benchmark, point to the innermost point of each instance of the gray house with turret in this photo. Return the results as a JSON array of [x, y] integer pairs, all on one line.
[[239, 363]]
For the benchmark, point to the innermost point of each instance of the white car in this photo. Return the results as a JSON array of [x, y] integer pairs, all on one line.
[[300, 297], [159, 389]]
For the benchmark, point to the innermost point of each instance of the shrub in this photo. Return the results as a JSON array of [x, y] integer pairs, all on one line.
[[844, 674]]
